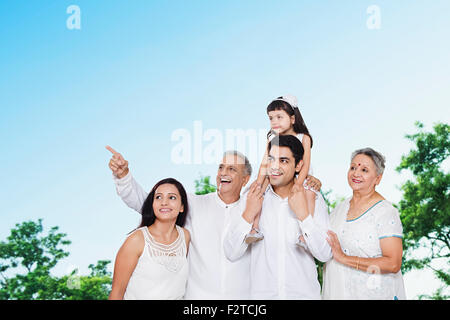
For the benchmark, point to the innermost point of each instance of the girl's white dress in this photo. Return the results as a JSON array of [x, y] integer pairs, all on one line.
[[361, 237], [162, 270]]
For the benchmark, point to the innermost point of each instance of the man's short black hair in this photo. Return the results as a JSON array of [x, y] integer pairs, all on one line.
[[292, 143]]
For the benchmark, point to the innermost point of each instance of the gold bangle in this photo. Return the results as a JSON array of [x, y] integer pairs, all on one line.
[[357, 263]]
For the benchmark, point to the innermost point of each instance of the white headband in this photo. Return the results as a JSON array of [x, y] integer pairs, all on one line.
[[292, 100]]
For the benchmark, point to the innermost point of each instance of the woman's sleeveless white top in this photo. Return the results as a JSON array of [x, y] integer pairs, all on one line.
[[162, 270]]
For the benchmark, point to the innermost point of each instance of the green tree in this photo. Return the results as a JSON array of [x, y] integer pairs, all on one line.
[[204, 186], [95, 286], [331, 204], [424, 208], [26, 261]]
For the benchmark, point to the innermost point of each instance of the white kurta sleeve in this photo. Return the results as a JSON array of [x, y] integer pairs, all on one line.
[[193, 201], [234, 244], [130, 191], [315, 229], [389, 223]]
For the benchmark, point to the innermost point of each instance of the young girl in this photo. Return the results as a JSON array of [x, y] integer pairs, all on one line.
[[285, 118], [152, 262]]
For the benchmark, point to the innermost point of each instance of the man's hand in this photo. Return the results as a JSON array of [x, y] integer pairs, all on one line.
[[297, 201], [313, 183], [117, 164], [255, 197]]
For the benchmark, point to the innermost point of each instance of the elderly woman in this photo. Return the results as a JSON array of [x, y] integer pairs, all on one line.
[[366, 238]]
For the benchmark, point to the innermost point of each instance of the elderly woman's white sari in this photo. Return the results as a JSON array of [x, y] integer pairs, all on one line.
[[361, 237]]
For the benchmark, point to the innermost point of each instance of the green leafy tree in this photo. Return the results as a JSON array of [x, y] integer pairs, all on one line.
[[424, 208], [204, 186], [331, 204], [26, 261], [34, 254], [95, 286]]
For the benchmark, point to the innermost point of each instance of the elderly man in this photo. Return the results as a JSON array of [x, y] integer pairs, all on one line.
[[281, 269], [211, 274]]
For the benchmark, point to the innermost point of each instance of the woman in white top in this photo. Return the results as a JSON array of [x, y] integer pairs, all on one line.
[[366, 239], [152, 263]]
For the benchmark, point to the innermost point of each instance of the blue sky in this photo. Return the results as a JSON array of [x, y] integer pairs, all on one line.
[[137, 71]]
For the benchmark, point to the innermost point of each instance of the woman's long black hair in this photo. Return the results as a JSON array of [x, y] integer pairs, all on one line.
[[299, 125], [148, 215]]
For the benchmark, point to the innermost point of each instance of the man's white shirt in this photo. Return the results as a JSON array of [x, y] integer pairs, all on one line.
[[211, 274], [280, 269]]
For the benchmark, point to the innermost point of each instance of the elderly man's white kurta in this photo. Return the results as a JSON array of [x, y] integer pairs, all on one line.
[[211, 274], [280, 269]]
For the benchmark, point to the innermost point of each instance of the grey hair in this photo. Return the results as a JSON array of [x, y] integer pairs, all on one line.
[[248, 166], [376, 157]]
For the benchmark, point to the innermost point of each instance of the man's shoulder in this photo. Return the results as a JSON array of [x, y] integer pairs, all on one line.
[[200, 198]]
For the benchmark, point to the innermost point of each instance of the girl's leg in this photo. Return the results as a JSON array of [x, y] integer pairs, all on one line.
[[264, 182], [254, 235], [255, 224]]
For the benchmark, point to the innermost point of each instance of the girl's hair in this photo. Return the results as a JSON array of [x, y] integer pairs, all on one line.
[[299, 125], [148, 215]]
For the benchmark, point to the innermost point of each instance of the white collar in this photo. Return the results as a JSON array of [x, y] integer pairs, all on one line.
[[270, 189], [223, 204]]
